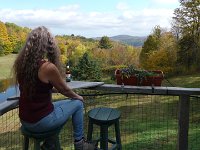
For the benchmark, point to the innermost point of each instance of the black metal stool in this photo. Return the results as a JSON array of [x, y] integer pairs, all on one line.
[[105, 117], [39, 137]]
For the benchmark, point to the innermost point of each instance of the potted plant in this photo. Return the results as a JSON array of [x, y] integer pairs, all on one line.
[[137, 77]]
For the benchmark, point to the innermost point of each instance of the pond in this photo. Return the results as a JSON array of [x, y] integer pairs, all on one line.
[[7, 89]]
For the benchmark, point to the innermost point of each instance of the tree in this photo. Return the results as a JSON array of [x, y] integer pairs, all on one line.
[[151, 44], [157, 31], [187, 18], [17, 36], [4, 39], [105, 43], [123, 55], [87, 69], [186, 26], [187, 53], [165, 58], [78, 53], [63, 48], [1, 48]]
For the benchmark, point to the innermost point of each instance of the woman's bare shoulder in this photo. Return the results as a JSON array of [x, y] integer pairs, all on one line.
[[48, 66], [50, 70]]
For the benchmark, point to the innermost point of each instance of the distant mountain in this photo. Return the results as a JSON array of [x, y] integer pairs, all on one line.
[[136, 41]]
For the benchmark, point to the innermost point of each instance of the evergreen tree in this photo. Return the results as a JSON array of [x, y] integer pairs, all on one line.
[[87, 69], [105, 43]]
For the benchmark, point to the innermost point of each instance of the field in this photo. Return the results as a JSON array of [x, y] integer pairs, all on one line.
[[6, 63], [188, 81]]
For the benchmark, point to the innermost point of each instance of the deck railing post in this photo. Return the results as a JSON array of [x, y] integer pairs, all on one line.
[[183, 122]]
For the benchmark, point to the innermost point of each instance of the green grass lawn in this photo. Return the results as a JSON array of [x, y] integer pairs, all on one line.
[[6, 63], [188, 81]]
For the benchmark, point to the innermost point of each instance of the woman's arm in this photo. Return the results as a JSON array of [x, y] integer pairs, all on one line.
[[54, 90], [54, 77]]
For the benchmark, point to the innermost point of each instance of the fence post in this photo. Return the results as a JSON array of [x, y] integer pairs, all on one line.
[[183, 122]]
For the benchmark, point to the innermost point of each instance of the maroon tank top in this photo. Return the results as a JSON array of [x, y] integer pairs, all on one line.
[[39, 105]]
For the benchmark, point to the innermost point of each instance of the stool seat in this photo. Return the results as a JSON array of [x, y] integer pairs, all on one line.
[[105, 117], [39, 137]]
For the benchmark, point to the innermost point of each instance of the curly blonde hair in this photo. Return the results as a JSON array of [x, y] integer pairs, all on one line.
[[40, 44]]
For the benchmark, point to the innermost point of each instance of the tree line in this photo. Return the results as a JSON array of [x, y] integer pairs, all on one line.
[[177, 51], [12, 37]]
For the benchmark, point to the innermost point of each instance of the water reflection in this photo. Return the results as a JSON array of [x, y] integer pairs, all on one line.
[[7, 89], [4, 84]]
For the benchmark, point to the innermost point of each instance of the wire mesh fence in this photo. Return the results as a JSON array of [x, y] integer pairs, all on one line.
[[148, 122], [10, 137], [194, 126]]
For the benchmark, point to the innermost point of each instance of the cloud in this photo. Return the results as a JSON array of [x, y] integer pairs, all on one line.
[[70, 19]]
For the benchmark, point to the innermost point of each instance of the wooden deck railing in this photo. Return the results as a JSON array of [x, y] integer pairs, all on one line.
[[183, 111]]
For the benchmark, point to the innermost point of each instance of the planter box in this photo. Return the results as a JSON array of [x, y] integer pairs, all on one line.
[[133, 80]]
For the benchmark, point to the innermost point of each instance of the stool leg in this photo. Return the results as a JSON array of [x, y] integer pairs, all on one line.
[[118, 137], [57, 143], [25, 143], [90, 130], [104, 137], [36, 144]]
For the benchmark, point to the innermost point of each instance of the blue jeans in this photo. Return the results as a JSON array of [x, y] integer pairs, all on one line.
[[62, 111]]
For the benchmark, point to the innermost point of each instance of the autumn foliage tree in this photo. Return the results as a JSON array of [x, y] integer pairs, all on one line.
[[12, 37], [151, 44], [6, 46], [17, 36], [165, 57], [159, 51]]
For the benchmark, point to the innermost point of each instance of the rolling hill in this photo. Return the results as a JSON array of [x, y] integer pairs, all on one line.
[[136, 41]]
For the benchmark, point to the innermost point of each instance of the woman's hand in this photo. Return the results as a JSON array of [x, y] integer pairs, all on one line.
[[79, 98]]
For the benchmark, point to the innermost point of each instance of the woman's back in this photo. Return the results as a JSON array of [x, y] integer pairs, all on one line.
[[37, 105]]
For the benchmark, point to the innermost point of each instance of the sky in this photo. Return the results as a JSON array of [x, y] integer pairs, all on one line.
[[90, 18]]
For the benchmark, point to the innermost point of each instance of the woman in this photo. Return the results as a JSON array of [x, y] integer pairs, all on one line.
[[37, 70]]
